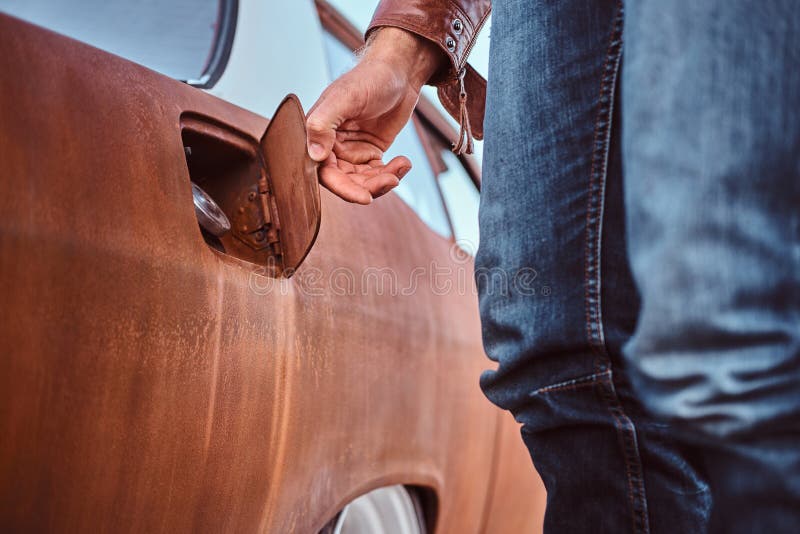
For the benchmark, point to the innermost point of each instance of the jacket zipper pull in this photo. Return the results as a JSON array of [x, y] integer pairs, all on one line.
[[465, 140]]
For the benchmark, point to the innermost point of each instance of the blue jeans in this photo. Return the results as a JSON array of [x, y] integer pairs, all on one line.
[[652, 198]]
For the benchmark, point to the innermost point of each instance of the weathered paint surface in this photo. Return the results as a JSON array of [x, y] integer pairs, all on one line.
[[150, 383]]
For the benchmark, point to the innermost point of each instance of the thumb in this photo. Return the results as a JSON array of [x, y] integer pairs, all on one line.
[[325, 117]]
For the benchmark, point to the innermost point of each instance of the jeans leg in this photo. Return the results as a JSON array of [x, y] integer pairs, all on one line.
[[551, 209], [711, 144]]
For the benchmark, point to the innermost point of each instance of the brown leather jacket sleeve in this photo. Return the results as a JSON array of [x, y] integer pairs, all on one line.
[[453, 25]]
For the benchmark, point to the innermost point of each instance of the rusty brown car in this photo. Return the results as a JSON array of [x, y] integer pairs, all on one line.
[[194, 337]]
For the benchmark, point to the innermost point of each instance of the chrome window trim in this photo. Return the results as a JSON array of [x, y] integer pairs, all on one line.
[[222, 46]]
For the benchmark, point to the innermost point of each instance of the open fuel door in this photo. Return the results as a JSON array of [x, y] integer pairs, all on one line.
[[292, 178], [256, 201]]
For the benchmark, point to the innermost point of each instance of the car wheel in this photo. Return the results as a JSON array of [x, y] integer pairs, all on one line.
[[389, 510]]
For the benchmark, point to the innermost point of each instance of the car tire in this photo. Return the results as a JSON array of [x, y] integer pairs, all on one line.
[[387, 510]]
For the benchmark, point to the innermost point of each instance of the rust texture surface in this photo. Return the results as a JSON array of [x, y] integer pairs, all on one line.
[[151, 383]]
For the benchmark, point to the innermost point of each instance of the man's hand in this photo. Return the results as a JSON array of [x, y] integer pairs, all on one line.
[[358, 117]]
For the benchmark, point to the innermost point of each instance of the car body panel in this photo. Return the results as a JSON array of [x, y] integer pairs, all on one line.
[[518, 496], [151, 383]]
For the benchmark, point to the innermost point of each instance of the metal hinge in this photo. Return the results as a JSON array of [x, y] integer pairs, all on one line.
[[256, 221]]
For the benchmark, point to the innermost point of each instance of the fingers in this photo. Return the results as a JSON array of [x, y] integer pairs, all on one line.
[[381, 184], [379, 179], [363, 182], [336, 105], [342, 183], [398, 166], [387, 176], [357, 151], [321, 134]]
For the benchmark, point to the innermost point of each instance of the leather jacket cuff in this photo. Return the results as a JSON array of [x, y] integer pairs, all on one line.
[[453, 25]]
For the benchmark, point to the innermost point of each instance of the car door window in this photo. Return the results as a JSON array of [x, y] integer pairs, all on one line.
[[418, 188], [462, 200], [184, 39]]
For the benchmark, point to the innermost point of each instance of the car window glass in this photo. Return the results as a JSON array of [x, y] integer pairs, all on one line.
[[340, 57], [418, 188], [462, 199], [174, 37]]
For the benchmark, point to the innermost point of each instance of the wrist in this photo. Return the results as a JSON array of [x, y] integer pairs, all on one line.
[[416, 57]]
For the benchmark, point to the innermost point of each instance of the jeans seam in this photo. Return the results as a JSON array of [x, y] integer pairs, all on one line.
[[575, 383], [626, 431], [596, 192]]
